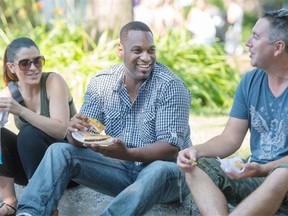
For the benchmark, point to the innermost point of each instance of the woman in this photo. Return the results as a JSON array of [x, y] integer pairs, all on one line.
[[42, 106]]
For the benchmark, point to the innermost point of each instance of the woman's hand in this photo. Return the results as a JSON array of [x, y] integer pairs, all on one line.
[[78, 122], [10, 105]]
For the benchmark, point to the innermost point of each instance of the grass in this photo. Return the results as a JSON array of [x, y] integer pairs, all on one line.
[[205, 127]]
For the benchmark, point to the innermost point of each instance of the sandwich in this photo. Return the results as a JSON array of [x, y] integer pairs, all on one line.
[[94, 135], [93, 138], [96, 138], [96, 125]]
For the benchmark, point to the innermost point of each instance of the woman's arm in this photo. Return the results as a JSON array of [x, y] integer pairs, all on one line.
[[58, 95]]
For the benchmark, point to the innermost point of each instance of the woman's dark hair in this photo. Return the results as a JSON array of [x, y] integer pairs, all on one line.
[[10, 55]]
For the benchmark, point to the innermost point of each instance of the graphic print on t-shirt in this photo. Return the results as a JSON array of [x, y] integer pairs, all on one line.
[[272, 136]]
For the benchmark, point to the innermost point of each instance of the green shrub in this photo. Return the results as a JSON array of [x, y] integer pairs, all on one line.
[[71, 52], [204, 69]]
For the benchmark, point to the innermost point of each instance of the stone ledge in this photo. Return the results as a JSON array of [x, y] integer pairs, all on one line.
[[86, 202]]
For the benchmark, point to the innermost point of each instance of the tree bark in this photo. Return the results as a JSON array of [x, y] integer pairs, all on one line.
[[107, 15]]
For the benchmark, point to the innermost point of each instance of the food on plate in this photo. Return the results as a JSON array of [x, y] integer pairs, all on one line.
[[94, 135], [232, 165], [97, 126], [239, 164], [92, 138]]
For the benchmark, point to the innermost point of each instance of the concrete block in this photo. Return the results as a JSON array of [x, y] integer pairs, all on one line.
[[86, 202]]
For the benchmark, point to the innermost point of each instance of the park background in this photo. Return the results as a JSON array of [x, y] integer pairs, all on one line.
[[78, 38]]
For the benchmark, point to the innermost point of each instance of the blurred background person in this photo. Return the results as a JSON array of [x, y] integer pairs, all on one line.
[[161, 15], [233, 36], [169, 17], [200, 23]]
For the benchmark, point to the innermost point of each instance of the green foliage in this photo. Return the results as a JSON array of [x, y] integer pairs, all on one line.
[[250, 19], [71, 52], [219, 4], [204, 69], [17, 17], [69, 57]]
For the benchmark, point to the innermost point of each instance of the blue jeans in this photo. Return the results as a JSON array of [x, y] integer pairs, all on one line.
[[32, 144], [136, 188], [22, 153]]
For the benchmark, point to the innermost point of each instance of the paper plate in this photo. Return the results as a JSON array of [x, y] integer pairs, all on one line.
[[78, 135]]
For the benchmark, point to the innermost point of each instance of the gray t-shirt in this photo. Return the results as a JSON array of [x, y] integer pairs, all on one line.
[[267, 116]]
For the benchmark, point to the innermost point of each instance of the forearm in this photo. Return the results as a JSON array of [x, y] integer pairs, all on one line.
[[227, 142], [53, 127], [268, 167], [152, 152], [216, 147]]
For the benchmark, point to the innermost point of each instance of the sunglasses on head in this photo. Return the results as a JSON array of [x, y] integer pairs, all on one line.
[[25, 64]]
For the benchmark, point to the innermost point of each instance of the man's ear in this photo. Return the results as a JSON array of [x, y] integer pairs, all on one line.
[[120, 50], [280, 47]]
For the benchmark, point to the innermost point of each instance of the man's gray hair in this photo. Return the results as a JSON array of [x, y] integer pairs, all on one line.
[[278, 27]]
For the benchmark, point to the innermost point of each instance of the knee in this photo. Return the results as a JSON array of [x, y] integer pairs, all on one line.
[[282, 165], [163, 169], [212, 168], [59, 149], [279, 173], [28, 133]]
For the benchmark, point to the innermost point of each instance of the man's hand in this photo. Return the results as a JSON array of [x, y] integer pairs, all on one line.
[[250, 170], [117, 149], [187, 159]]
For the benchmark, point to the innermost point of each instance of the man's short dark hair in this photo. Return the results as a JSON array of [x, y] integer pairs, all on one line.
[[134, 25]]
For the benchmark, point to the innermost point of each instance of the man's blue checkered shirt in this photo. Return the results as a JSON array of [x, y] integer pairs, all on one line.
[[159, 113]]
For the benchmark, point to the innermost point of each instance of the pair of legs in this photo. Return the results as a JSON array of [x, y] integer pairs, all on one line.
[[136, 188], [21, 154], [211, 189], [10, 170], [268, 197]]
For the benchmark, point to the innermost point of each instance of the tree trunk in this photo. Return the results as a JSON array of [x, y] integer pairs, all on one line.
[[107, 15]]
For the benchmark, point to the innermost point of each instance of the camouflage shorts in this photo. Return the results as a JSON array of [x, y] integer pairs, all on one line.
[[234, 190]]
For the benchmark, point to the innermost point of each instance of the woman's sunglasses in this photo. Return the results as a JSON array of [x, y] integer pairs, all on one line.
[[25, 64]]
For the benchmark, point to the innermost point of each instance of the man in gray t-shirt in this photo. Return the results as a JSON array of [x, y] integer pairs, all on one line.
[[261, 106]]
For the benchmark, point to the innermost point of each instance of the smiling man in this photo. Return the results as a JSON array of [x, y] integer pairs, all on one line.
[[145, 107]]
